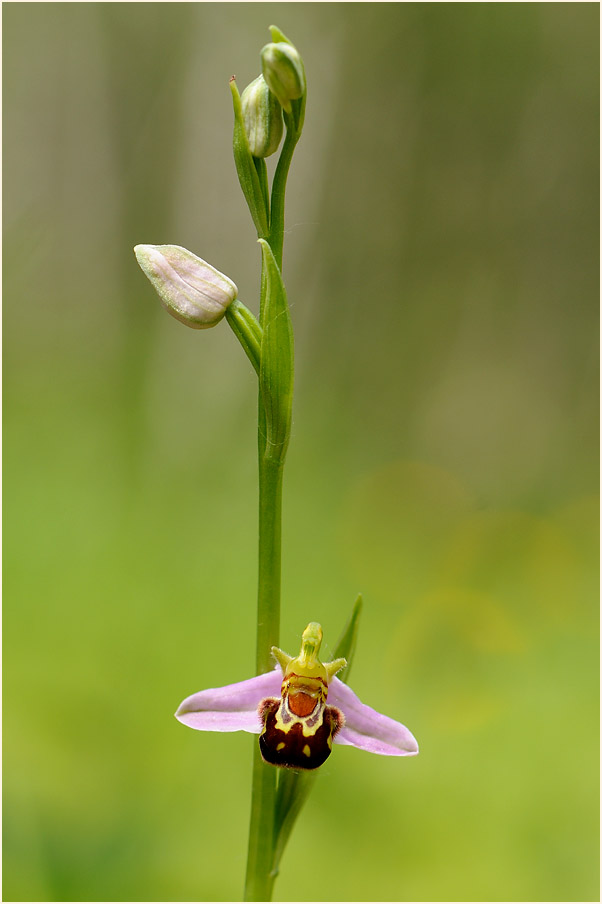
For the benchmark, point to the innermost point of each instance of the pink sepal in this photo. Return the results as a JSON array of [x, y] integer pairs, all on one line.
[[368, 729], [230, 708]]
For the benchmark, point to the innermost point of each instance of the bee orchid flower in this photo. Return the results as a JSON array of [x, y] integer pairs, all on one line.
[[299, 709]]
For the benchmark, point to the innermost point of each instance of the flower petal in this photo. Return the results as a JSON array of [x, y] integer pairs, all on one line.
[[230, 708], [366, 728]]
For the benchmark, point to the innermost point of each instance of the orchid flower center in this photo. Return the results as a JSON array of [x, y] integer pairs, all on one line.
[[298, 728]]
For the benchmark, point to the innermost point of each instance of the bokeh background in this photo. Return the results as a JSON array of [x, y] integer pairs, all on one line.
[[442, 264]]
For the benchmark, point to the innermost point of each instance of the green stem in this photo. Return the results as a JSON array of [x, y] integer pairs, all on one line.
[[262, 831], [268, 590], [276, 238], [259, 881], [262, 173]]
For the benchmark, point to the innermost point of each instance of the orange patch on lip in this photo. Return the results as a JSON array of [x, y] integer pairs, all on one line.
[[301, 704]]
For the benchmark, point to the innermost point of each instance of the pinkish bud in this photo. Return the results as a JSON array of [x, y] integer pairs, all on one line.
[[192, 291]]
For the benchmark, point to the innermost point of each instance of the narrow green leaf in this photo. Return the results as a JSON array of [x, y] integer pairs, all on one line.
[[276, 370], [347, 641], [293, 790], [248, 177]]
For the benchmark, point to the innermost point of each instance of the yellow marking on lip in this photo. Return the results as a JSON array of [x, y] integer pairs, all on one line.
[[301, 680], [292, 720], [281, 746], [307, 750]]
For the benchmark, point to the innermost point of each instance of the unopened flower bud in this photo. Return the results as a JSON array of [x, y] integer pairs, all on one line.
[[263, 118], [283, 71], [192, 291]]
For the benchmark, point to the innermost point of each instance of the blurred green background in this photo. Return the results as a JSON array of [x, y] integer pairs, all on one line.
[[442, 265]]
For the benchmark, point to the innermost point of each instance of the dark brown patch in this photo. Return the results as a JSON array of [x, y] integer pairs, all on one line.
[[270, 704], [298, 752]]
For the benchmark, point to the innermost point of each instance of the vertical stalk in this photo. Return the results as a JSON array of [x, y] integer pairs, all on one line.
[[268, 589], [262, 833], [276, 238], [259, 881]]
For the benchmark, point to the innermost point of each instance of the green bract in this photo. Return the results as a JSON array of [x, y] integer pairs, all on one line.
[[252, 180], [276, 370]]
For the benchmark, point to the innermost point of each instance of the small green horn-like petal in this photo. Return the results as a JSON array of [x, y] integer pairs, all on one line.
[[333, 667], [282, 658]]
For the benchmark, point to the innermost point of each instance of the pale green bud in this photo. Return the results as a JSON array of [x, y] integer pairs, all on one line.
[[282, 69], [263, 118], [192, 291]]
